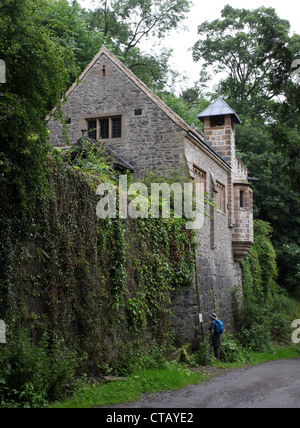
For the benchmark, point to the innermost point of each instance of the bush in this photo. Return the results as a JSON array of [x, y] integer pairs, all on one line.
[[204, 355], [261, 320], [31, 375], [231, 351]]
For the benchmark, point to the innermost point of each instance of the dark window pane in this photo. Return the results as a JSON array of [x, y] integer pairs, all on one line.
[[217, 120], [104, 128], [92, 129], [241, 199], [116, 128]]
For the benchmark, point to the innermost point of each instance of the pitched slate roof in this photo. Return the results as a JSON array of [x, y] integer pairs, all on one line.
[[119, 162], [218, 108]]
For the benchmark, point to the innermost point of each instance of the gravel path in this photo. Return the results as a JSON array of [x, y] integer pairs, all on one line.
[[274, 384]]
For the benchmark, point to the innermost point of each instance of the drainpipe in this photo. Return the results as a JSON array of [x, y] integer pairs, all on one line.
[[199, 299]]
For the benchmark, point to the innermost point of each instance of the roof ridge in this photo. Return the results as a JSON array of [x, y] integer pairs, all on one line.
[[161, 104]]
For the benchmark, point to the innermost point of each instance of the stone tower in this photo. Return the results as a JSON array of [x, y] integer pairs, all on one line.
[[219, 122]]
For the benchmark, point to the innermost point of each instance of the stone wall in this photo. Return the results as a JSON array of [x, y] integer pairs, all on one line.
[[219, 276]]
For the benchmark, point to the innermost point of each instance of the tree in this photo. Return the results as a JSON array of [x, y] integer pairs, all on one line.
[[36, 66], [37, 71], [69, 23], [130, 21], [125, 24], [251, 46]]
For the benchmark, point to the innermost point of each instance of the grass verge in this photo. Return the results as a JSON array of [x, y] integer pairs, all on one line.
[[155, 380], [172, 377]]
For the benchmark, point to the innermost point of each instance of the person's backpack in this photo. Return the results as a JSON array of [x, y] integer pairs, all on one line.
[[219, 328]]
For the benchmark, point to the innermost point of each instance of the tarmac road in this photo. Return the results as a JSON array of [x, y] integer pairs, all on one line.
[[274, 384]]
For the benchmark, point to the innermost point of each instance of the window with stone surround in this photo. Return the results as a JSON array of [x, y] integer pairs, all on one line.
[[105, 127], [200, 177], [221, 196], [245, 200]]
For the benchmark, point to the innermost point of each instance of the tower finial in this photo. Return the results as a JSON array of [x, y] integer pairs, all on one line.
[[219, 90]]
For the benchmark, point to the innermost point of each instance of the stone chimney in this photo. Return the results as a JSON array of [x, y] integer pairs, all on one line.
[[219, 120]]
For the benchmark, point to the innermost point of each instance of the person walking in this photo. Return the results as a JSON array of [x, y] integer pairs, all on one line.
[[215, 337]]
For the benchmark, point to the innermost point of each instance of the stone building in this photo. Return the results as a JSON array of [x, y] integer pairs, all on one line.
[[110, 103]]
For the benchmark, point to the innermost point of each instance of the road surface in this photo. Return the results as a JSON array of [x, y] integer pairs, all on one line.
[[274, 384]]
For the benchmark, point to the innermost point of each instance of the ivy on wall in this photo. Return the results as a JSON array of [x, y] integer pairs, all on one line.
[[104, 287], [259, 321], [259, 267]]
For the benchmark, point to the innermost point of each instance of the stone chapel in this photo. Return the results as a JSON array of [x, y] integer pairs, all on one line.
[[109, 103]]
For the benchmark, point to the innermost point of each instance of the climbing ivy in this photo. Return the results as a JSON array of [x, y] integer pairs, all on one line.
[[102, 287], [256, 322], [259, 267]]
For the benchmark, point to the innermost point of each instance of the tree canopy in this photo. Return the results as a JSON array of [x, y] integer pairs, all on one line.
[[251, 45], [37, 71]]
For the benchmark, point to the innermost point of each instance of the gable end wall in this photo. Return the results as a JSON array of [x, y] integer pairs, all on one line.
[[150, 141]]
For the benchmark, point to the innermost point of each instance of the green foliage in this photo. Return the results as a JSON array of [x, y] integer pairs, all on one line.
[[259, 266], [274, 201], [204, 355], [103, 287], [260, 38], [185, 109], [69, 24], [261, 320], [231, 350], [36, 75], [32, 375]]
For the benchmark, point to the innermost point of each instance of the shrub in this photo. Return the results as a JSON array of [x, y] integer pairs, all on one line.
[[256, 323], [30, 374], [204, 355], [231, 351]]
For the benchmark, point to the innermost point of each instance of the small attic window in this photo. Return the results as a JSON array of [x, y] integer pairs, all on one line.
[[138, 112], [103, 71], [217, 120]]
